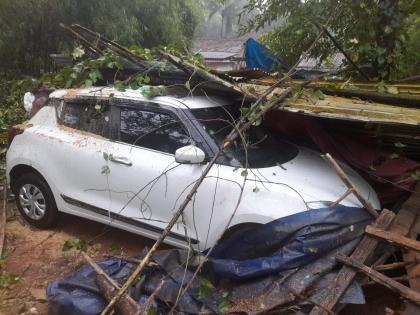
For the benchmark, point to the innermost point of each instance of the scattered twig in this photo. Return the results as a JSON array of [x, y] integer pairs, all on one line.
[[346, 194], [149, 301]]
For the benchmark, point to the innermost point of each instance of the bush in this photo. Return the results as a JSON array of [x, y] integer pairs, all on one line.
[[12, 111]]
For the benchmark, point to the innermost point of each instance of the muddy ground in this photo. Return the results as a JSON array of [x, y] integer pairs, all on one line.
[[35, 257]]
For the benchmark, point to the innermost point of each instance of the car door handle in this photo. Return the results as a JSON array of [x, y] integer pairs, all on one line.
[[121, 160]]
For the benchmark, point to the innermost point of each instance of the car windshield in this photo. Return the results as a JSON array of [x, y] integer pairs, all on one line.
[[262, 149]]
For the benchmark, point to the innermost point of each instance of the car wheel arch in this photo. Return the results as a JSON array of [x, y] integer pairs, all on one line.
[[21, 169], [240, 227]]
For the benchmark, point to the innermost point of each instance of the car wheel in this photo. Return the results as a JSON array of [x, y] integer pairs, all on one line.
[[35, 200]]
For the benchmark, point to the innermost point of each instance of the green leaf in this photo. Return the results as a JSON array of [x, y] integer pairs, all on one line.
[[152, 311], [105, 155], [256, 189], [223, 306], [88, 83], [105, 170], [313, 250], [392, 90], [244, 173], [68, 244], [78, 52], [381, 87], [245, 111], [8, 279], [205, 289]]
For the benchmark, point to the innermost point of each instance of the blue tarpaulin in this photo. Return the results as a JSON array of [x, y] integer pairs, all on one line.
[[258, 56], [296, 252]]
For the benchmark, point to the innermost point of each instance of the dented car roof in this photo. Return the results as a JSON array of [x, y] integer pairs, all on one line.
[[190, 102]]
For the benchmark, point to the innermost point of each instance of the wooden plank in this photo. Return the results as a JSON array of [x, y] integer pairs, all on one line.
[[394, 238], [412, 205], [378, 277], [347, 274], [346, 180]]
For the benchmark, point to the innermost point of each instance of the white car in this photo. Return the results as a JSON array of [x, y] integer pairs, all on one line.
[[128, 161]]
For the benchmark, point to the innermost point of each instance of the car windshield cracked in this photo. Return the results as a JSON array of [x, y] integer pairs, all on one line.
[[263, 149]]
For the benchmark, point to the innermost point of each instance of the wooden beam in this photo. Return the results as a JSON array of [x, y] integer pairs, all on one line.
[[378, 277], [347, 274], [346, 180], [396, 265], [394, 238], [403, 224]]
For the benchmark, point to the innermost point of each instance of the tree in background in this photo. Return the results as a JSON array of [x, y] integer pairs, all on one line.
[[376, 32], [221, 18], [30, 29]]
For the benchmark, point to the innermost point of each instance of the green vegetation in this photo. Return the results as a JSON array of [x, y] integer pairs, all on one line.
[[383, 34], [31, 32]]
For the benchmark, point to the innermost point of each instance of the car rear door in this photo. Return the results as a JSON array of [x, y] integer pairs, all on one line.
[[81, 173]]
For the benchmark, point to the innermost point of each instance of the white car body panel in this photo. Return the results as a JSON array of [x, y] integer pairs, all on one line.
[[72, 162]]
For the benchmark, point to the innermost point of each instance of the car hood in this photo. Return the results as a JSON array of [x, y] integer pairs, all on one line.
[[314, 180]]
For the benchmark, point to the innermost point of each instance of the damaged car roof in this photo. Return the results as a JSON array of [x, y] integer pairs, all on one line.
[[191, 101]]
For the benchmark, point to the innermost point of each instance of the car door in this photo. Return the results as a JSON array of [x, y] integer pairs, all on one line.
[[146, 183], [80, 140]]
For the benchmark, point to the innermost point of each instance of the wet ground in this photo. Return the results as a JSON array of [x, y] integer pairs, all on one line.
[[35, 257]]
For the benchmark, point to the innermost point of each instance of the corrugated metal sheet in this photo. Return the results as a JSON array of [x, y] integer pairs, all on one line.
[[334, 107]]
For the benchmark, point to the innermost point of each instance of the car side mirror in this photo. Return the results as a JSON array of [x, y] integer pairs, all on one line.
[[190, 155]]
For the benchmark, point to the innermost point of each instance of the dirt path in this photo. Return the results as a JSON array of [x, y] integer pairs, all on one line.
[[36, 257]]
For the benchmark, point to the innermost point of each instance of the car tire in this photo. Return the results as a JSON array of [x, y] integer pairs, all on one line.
[[35, 201]]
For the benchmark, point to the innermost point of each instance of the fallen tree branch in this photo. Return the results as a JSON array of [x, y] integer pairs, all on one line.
[[350, 185], [395, 286], [109, 287]]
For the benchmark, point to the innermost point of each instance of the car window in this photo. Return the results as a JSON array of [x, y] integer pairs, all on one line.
[[154, 130], [89, 117]]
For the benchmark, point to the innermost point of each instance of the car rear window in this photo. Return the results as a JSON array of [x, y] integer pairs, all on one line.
[[92, 117]]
